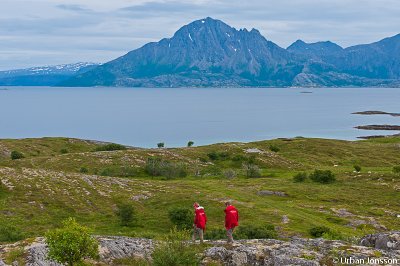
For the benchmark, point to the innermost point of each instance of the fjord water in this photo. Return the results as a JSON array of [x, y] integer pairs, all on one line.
[[145, 116]]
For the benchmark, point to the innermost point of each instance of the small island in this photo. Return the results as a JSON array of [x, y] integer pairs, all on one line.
[[376, 113], [379, 127]]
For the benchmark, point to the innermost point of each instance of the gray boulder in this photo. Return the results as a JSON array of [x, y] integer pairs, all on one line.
[[384, 241]]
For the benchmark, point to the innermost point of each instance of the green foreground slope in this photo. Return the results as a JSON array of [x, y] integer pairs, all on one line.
[[61, 177]]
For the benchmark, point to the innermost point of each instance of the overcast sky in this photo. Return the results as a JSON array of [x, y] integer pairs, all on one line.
[[46, 32]]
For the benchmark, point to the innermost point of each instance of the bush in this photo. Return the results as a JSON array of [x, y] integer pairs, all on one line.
[[238, 158], [16, 155], [319, 231], [126, 214], [300, 177], [161, 145], [111, 147], [71, 243], [213, 156], [175, 250], [256, 232], [157, 167], [251, 170], [64, 151], [182, 218], [323, 176], [215, 234], [274, 148], [190, 144], [357, 168], [10, 233], [84, 170], [396, 169], [230, 173]]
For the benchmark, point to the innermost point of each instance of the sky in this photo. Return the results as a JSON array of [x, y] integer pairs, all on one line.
[[49, 32]]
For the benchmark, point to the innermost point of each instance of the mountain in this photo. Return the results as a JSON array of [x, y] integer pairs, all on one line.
[[318, 49], [43, 76], [210, 53], [206, 52]]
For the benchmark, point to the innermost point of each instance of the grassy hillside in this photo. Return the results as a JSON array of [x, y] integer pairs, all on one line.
[[61, 177]]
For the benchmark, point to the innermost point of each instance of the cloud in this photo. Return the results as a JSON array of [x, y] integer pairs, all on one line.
[[41, 32], [76, 8]]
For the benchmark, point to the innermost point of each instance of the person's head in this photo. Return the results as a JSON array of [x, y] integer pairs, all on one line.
[[195, 205], [227, 203]]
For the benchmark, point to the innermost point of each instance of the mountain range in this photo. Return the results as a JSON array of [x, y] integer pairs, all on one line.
[[210, 53], [43, 76]]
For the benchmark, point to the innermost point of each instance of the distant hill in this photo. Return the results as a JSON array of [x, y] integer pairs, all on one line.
[[210, 53], [43, 76]]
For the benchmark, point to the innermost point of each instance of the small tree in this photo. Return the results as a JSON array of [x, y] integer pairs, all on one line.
[[190, 144], [182, 218], [71, 243], [161, 145], [126, 214], [15, 155]]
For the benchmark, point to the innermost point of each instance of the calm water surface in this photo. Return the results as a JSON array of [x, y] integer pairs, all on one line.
[[144, 117]]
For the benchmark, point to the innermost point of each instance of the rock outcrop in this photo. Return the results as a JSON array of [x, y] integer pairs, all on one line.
[[384, 241], [296, 251]]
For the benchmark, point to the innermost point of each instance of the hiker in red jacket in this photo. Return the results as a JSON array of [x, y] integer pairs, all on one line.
[[199, 224], [231, 220]]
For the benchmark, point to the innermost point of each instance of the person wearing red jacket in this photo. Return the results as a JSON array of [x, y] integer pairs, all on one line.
[[231, 220], [199, 224]]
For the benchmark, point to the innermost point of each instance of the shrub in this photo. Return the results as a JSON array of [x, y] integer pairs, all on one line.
[[108, 171], [251, 170], [300, 177], [213, 156], [126, 214], [182, 218], [64, 151], [396, 169], [157, 167], [71, 243], [238, 158], [230, 173], [84, 170], [161, 145], [357, 168], [175, 250], [274, 148], [319, 231], [10, 233], [323, 176], [16, 155], [111, 147], [256, 232], [190, 144], [215, 234]]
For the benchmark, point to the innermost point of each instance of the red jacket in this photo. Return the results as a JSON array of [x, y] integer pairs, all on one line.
[[200, 218], [231, 217]]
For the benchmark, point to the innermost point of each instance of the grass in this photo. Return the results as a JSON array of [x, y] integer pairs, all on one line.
[[47, 186]]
